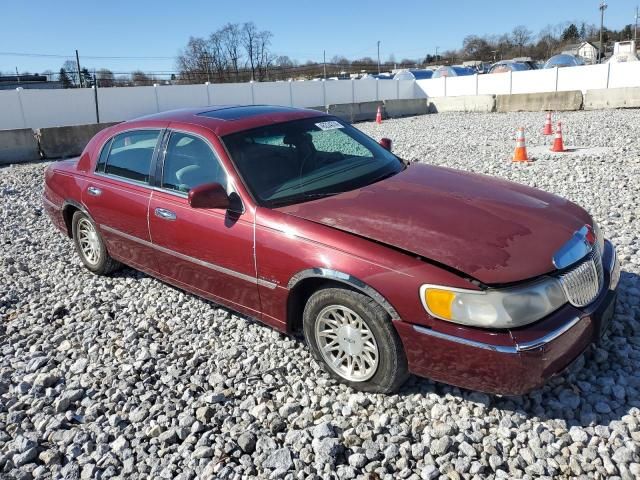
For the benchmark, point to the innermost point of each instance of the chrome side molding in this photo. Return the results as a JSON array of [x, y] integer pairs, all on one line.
[[202, 263], [517, 348]]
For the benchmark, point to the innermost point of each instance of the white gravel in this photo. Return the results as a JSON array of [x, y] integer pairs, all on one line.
[[126, 377]]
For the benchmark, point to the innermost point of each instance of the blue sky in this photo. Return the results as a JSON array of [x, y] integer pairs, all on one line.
[[301, 29]]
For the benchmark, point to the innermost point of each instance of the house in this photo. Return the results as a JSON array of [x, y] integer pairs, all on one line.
[[588, 51]]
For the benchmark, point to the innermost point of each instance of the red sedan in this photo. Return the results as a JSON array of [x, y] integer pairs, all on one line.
[[301, 221]]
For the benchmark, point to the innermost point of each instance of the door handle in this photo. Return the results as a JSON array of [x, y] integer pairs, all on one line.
[[165, 214], [95, 191]]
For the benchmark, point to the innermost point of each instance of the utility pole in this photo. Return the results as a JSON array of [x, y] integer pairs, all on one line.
[[378, 57], [18, 75], [635, 33], [436, 59], [324, 63], [79, 73], [95, 95], [603, 7]]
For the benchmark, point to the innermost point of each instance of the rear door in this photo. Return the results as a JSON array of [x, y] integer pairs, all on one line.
[[208, 250], [117, 195]]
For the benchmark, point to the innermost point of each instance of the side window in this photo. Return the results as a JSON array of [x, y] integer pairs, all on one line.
[[102, 160], [190, 162], [131, 153]]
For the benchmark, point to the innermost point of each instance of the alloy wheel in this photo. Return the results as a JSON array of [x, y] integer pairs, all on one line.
[[88, 241], [346, 343]]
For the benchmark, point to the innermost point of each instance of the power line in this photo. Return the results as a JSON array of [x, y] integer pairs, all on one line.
[[92, 57]]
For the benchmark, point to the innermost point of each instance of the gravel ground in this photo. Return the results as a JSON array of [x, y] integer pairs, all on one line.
[[128, 377]]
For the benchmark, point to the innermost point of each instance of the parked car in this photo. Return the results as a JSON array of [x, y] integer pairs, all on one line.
[[564, 60], [509, 66], [452, 71], [301, 221], [413, 75]]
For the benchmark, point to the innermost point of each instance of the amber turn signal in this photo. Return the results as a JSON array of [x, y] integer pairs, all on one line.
[[439, 302]]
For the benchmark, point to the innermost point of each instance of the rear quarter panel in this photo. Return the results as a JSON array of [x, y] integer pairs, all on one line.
[[62, 186]]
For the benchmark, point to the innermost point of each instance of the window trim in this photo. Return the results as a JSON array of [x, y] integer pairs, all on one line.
[[154, 155], [163, 156], [106, 145]]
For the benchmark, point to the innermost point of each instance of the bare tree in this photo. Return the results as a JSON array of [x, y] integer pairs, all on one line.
[[521, 36], [256, 46], [230, 38], [105, 78], [249, 39], [140, 78], [476, 48], [71, 68], [194, 62], [264, 58]]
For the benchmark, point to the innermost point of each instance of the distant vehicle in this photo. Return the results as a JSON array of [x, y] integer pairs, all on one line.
[[624, 52], [477, 65], [453, 71], [384, 76], [510, 66], [564, 60], [413, 75]]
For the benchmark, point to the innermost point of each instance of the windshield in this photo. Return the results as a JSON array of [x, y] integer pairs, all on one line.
[[297, 161]]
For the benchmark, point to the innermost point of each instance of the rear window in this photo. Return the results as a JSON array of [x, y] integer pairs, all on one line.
[[131, 153]]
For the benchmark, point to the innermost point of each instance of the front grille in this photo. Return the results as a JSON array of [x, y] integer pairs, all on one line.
[[583, 282]]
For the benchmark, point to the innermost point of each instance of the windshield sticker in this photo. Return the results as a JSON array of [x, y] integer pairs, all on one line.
[[329, 125]]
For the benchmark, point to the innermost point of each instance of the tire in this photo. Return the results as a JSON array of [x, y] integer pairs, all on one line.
[[323, 324], [90, 245]]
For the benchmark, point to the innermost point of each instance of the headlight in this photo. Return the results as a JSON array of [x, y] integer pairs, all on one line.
[[494, 308]]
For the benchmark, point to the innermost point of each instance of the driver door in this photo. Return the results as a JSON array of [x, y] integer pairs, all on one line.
[[209, 251]]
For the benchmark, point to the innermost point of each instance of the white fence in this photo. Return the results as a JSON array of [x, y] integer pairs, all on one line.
[[52, 108], [588, 77]]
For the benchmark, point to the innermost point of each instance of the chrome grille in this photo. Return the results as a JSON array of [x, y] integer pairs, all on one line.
[[583, 282]]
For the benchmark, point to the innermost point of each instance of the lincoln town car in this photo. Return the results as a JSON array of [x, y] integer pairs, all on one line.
[[385, 268]]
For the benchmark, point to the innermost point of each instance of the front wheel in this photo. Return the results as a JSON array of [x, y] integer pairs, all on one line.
[[353, 338]]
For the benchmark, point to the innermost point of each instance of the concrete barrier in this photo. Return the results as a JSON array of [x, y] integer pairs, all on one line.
[[536, 102], [63, 142], [405, 108], [465, 103], [17, 146], [355, 112], [612, 98]]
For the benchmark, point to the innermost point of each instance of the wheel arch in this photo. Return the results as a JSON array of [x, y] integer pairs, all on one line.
[[69, 207], [304, 283]]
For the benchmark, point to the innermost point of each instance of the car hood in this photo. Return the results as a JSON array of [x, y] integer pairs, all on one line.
[[490, 229]]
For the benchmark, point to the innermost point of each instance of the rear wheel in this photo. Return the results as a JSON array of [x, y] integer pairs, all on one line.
[[90, 246], [352, 337]]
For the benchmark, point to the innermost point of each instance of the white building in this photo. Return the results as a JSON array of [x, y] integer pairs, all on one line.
[[586, 50]]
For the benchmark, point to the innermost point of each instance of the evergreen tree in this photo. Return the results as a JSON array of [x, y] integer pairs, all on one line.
[[87, 79], [570, 33], [64, 79], [583, 31]]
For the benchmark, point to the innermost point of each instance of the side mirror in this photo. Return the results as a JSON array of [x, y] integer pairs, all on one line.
[[209, 195], [385, 143]]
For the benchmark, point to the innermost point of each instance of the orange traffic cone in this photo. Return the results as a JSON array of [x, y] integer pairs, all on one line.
[[379, 116], [558, 145], [520, 155], [548, 129]]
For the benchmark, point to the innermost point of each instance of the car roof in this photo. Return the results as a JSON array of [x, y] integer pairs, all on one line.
[[227, 119]]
